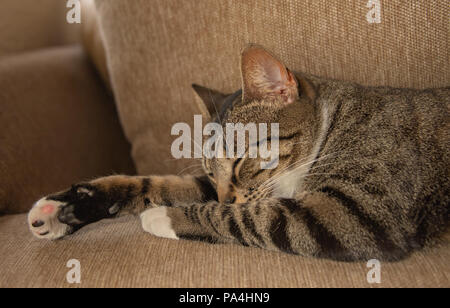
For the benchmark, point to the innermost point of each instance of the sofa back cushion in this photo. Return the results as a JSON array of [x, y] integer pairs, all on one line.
[[156, 49], [29, 24]]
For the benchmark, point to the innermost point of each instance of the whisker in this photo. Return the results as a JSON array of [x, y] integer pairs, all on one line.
[[272, 181], [295, 166], [273, 185], [189, 167], [198, 171]]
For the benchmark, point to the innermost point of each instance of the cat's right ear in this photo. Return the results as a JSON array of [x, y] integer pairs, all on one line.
[[208, 101], [263, 76]]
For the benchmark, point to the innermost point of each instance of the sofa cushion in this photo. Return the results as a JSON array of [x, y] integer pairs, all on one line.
[[157, 49], [92, 39], [27, 25], [58, 125], [117, 253]]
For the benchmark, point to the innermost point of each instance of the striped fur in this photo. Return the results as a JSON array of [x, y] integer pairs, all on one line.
[[363, 172]]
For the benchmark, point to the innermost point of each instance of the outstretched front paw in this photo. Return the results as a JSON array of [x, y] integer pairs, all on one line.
[[43, 220], [57, 215], [157, 222]]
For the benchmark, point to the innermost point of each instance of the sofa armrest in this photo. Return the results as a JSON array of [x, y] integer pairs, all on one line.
[[58, 125]]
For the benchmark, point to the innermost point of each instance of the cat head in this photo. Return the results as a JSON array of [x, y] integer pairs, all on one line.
[[270, 93]]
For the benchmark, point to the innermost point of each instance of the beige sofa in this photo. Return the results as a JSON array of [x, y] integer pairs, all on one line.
[[58, 125]]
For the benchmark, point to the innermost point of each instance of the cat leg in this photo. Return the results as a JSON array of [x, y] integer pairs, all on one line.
[[318, 225], [63, 213]]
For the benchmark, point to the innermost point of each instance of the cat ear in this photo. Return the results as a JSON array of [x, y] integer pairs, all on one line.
[[264, 76], [208, 101]]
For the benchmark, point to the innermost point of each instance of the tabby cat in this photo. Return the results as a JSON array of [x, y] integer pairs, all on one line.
[[362, 173]]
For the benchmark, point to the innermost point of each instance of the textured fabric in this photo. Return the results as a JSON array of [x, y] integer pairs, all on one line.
[[157, 49], [57, 126], [119, 254], [29, 24], [92, 39]]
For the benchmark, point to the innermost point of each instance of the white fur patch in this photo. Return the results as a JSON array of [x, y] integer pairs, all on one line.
[[49, 227], [155, 221], [290, 183]]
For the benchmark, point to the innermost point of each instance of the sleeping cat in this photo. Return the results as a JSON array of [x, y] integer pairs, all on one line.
[[362, 173]]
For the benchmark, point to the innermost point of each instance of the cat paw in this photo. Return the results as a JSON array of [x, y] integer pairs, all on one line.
[[63, 213], [156, 221], [43, 220]]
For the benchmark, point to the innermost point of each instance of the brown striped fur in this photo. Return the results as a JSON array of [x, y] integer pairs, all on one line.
[[363, 172]]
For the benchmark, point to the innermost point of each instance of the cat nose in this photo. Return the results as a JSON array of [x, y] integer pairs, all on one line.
[[227, 198]]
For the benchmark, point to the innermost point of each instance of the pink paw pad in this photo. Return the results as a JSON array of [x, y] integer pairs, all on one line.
[[47, 209]]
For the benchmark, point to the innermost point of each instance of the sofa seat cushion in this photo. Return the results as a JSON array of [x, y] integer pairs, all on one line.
[[117, 253]]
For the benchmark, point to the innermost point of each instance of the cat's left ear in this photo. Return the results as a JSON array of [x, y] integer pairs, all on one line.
[[264, 76], [208, 101]]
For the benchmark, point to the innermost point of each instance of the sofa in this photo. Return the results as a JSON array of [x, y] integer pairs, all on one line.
[[100, 98]]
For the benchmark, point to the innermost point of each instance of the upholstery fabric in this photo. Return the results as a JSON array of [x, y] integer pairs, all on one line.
[[117, 253], [58, 126], [27, 25], [156, 49], [92, 39]]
